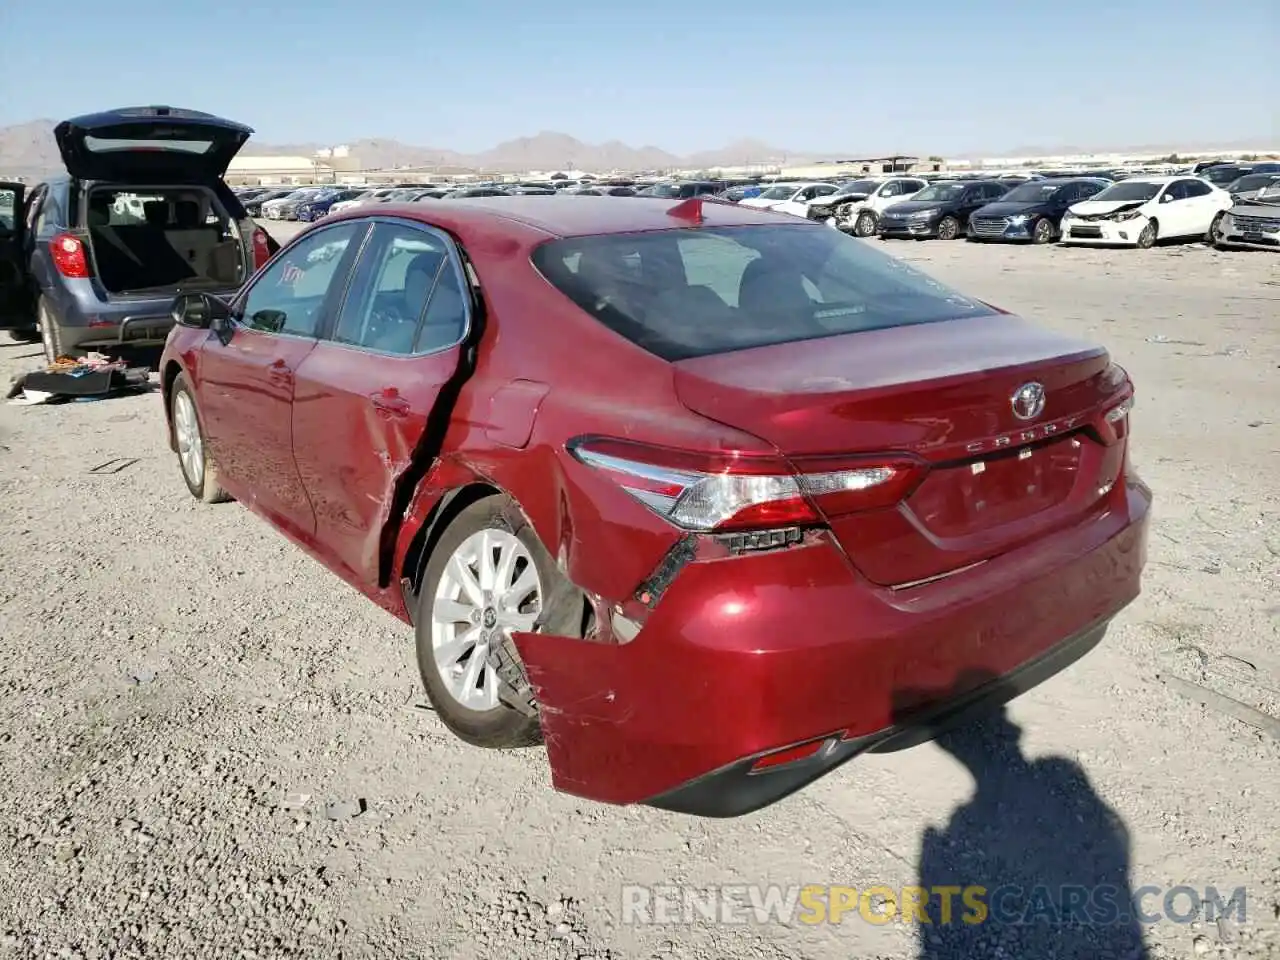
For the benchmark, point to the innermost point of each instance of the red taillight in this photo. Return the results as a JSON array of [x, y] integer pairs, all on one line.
[[732, 491], [261, 248], [69, 256], [780, 758]]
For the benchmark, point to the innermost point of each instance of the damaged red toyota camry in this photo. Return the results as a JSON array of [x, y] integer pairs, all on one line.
[[708, 500]]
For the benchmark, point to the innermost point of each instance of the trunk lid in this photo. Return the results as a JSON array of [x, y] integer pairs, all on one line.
[[943, 393], [149, 145]]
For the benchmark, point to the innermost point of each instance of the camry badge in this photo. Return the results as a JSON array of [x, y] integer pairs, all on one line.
[[1028, 401]]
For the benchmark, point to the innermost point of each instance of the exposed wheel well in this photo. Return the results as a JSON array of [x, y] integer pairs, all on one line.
[[442, 514], [166, 380], [584, 617], [167, 377]]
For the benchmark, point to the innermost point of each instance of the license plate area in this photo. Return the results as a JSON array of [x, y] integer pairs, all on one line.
[[958, 499]]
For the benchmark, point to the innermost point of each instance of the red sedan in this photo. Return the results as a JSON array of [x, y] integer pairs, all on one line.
[[708, 500]]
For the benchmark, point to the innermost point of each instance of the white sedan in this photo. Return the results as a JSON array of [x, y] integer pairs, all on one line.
[[1140, 211], [790, 198], [369, 196]]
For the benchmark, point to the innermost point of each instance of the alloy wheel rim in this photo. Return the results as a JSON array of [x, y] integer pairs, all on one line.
[[190, 443], [947, 230], [489, 589]]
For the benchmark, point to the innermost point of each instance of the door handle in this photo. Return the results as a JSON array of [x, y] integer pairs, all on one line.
[[390, 404]]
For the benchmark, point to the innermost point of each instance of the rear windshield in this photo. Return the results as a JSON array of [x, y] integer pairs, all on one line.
[[695, 292], [102, 145]]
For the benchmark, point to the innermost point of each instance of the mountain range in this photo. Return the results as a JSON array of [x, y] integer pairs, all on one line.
[[28, 149]]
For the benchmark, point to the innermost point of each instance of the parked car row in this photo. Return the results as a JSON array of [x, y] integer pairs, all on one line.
[[309, 203], [1138, 211]]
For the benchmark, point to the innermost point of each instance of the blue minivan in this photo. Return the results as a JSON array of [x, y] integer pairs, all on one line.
[[93, 257]]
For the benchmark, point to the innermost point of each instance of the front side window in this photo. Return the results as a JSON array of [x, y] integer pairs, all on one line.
[[401, 272], [694, 292], [287, 297]]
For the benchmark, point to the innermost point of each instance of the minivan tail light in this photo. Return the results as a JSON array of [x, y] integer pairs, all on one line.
[[730, 491], [69, 257], [261, 248]]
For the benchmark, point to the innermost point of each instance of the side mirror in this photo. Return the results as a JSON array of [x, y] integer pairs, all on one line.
[[1166, 198], [202, 311]]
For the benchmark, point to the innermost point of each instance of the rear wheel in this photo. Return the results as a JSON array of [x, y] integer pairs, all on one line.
[[1147, 238], [31, 335], [865, 225], [1042, 231], [488, 577], [50, 335], [188, 435], [948, 228]]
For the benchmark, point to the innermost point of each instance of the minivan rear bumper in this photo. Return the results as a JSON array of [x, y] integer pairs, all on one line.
[[89, 320], [745, 657]]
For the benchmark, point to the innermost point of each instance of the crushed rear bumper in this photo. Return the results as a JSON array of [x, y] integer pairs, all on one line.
[[747, 656]]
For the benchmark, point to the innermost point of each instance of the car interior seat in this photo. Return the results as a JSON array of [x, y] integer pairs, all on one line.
[[767, 289]]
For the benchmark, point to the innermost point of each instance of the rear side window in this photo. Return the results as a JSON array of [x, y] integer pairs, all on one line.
[[406, 295], [695, 292], [8, 211]]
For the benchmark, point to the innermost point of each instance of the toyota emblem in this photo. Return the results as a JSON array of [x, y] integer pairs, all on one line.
[[1028, 401]]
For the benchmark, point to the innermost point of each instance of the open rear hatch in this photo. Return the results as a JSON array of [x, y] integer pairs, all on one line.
[[982, 466], [149, 145]]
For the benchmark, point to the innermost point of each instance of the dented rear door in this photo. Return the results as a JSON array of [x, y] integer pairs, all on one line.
[[367, 398]]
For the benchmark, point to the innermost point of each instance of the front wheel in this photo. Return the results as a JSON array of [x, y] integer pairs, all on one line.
[[29, 335], [488, 577], [1211, 235], [948, 228], [865, 225], [1042, 231], [1147, 238], [198, 472]]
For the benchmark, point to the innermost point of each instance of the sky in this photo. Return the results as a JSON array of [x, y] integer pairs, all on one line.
[[927, 76]]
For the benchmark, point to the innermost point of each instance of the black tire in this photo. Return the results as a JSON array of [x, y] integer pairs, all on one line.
[[503, 726], [948, 228], [865, 225], [205, 488], [1150, 233], [1211, 235], [50, 335], [1042, 231], [31, 335]]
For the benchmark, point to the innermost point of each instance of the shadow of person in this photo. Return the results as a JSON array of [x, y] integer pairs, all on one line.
[[1052, 857]]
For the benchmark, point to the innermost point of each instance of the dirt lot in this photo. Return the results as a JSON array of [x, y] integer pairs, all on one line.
[[177, 677]]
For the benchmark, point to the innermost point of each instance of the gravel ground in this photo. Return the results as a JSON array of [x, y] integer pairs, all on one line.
[[212, 748]]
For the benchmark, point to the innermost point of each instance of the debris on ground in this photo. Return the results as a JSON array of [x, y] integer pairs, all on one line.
[[91, 377], [345, 809]]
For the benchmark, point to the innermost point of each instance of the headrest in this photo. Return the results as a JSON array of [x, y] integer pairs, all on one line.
[[768, 288], [156, 212], [428, 263], [186, 214], [598, 266]]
